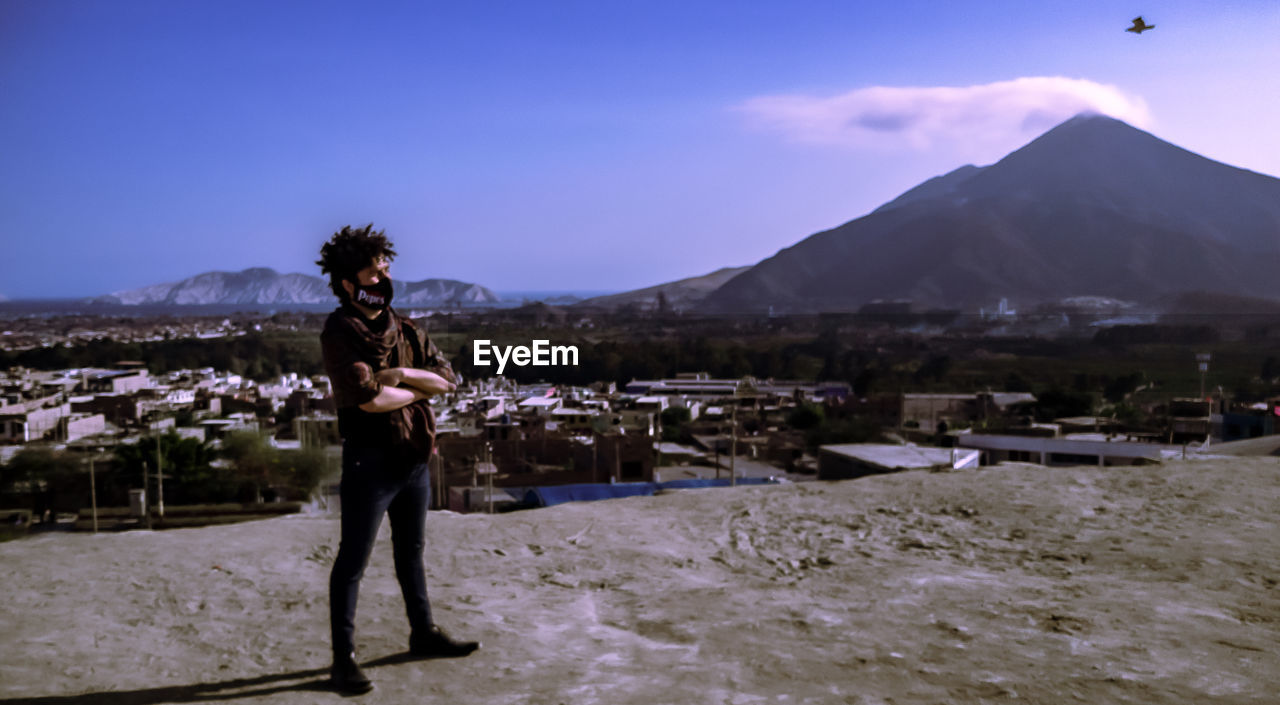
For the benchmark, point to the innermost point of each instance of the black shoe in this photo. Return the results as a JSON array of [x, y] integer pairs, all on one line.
[[346, 677], [434, 643]]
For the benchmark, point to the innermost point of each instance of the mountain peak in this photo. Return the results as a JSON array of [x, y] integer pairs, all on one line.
[[1090, 131], [1092, 207], [1094, 156], [1091, 116]]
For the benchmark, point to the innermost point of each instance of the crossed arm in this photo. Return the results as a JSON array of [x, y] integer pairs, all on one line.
[[401, 386]]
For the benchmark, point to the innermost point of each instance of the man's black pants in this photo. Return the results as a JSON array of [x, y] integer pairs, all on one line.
[[376, 482]]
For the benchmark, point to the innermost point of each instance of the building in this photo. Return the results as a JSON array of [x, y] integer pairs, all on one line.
[[490, 407], [540, 405], [317, 430], [574, 421], [76, 426], [700, 385], [929, 412], [1261, 419], [850, 460], [656, 404], [115, 381], [636, 421], [1059, 451], [23, 426], [119, 409], [1191, 420]]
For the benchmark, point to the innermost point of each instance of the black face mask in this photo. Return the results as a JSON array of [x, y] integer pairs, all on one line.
[[374, 296]]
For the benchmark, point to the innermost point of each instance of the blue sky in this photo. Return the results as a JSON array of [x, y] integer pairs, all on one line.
[[558, 145]]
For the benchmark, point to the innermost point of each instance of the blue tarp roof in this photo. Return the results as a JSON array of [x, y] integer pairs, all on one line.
[[559, 494], [695, 483]]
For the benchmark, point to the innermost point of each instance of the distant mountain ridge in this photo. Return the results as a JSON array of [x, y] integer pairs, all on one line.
[[679, 294], [1093, 207], [263, 285]]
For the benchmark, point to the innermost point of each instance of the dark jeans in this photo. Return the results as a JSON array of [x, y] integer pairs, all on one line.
[[374, 482]]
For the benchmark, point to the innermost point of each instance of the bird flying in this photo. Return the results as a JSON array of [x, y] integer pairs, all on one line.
[[1139, 26]]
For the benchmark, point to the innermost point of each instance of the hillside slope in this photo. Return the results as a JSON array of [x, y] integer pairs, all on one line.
[[1116, 585]]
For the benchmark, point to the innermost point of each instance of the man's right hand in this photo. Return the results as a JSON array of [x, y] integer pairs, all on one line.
[[392, 398], [429, 382]]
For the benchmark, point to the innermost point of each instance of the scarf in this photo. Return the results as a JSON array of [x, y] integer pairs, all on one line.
[[413, 426]]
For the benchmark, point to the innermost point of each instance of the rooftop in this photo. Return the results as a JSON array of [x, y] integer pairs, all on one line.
[[894, 457]]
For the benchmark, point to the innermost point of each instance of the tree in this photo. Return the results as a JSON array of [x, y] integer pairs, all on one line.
[[806, 416], [1270, 369], [675, 415], [190, 477], [1059, 403], [252, 460], [675, 423], [1117, 389], [864, 381], [935, 368], [301, 471], [1015, 382], [44, 476], [1128, 416], [851, 429]]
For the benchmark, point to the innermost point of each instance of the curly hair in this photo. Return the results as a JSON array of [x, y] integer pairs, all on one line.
[[349, 251]]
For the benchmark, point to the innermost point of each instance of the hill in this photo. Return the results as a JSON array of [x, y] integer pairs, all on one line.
[[1093, 207], [262, 285], [679, 294], [1048, 585]]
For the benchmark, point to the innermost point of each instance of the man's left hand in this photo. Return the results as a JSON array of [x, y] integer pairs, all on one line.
[[390, 377]]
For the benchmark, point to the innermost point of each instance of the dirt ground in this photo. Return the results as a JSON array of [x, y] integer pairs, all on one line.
[[1009, 584]]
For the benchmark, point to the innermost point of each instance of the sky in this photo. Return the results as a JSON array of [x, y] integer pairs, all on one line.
[[558, 145]]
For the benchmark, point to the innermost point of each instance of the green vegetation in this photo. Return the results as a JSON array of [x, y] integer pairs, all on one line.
[[36, 478], [806, 417], [1113, 366], [264, 472], [1124, 372], [190, 477], [246, 469], [257, 356], [675, 424], [842, 429]]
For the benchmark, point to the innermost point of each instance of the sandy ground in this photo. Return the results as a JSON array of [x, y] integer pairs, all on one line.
[[1008, 584]]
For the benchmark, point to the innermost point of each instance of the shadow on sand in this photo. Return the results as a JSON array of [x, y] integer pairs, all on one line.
[[316, 679]]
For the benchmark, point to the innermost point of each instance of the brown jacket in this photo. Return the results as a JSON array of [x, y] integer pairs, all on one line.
[[354, 352]]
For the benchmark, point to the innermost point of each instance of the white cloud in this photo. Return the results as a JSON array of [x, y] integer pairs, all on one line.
[[971, 118]]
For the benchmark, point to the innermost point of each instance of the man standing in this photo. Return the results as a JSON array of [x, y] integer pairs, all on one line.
[[383, 369]]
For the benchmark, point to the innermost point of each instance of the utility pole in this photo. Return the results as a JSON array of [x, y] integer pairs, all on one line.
[[745, 388], [488, 475], [1203, 363], [93, 485], [93, 493], [733, 445], [159, 481], [488, 482], [146, 487], [658, 442]]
